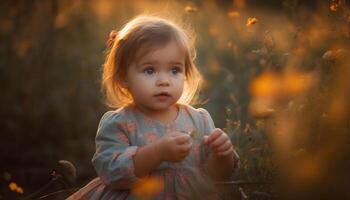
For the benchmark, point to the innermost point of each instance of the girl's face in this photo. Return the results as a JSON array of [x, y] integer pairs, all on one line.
[[156, 80]]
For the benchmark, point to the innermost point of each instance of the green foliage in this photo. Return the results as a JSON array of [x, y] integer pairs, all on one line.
[[257, 168], [51, 54]]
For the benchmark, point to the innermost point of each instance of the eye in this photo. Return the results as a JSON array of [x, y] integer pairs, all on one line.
[[149, 71], [176, 70]]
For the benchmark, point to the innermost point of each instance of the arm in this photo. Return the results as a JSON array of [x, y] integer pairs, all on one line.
[[222, 160], [119, 164], [220, 156], [173, 148], [220, 168], [147, 159], [113, 159]]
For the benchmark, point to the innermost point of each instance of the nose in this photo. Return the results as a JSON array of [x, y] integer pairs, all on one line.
[[163, 80]]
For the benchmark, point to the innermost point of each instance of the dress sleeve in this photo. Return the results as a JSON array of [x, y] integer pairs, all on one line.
[[207, 121], [113, 159], [208, 127]]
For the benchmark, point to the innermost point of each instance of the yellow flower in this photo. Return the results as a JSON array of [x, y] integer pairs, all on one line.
[[190, 9], [19, 190], [266, 85], [251, 21], [148, 187], [14, 187]]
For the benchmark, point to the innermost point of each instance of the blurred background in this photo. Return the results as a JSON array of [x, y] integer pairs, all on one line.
[[277, 78]]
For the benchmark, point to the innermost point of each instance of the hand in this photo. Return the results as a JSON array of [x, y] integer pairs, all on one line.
[[174, 147], [219, 142]]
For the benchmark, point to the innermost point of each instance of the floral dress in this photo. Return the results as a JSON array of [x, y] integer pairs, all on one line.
[[122, 132]]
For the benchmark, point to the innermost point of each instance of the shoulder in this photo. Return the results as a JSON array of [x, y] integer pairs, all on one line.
[[200, 112], [122, 120], [201, 118], [113, 116]]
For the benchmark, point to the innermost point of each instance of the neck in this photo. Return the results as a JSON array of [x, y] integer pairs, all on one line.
[[164, 115]]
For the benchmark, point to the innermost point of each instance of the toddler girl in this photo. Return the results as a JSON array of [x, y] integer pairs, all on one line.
[[150, 76]]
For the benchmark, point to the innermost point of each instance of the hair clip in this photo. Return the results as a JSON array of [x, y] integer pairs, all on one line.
[[111, 38]]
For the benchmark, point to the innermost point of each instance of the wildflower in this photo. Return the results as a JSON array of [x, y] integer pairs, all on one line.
[[195, 134], [14, 187], [266, 85], [251, 21], [228, 111], [148, 187], [248, 130], [237, 124], [328, 55], [331, 55], [190, 9], [335, 5]]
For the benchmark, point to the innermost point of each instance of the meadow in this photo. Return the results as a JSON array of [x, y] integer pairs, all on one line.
[[276, 80]]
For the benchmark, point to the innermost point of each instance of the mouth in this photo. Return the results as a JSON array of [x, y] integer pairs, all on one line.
[[162, 94]]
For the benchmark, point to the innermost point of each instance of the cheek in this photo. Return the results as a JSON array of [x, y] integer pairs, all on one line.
[[179, 84], [180, 81], [141, 86]]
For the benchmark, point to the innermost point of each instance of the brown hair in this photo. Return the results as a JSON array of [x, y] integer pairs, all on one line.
[[146, 31]]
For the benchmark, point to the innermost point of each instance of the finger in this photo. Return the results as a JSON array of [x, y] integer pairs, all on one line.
[[205, 139], [226, 153], [215, 134], [219, 141], [227, 145], [183, 155], [185, 148], [182, 139], [176, 133]]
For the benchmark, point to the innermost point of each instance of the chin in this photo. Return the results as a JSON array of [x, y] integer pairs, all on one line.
[[160, 106]]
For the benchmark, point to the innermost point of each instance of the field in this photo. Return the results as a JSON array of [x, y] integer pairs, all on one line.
[[276, 79]]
